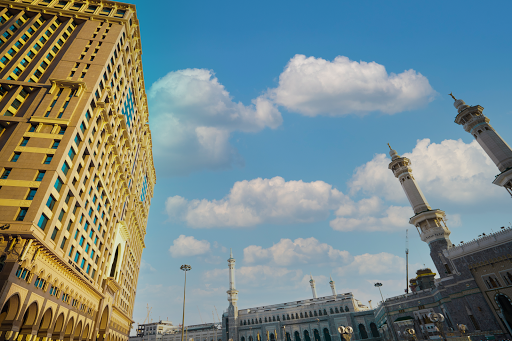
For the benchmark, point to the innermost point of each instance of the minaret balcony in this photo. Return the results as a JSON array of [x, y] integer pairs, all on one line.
[[504, 179], [430, 225]]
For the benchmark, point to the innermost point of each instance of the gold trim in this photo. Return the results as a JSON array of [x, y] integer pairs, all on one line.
[[49, 120], [14, 202]]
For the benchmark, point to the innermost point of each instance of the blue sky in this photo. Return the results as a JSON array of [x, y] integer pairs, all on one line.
[[270, 122]]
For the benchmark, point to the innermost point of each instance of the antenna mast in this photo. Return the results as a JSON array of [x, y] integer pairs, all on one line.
[[407, 261]]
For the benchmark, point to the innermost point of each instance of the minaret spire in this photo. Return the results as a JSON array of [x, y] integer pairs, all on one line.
[[313, 288], [333, 286], [477, 124], [232, 292], [430, 223]]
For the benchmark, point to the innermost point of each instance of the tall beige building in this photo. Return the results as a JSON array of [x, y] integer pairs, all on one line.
[[76, 169]]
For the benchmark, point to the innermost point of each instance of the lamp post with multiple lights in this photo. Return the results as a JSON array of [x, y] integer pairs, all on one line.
[[185, 268], [378, 285]]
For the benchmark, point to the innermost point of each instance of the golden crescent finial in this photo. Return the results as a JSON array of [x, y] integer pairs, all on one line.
[[389, 147], [451, 94]]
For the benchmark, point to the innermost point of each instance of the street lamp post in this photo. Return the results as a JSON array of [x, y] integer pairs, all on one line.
[[185, 268], [378, 285]]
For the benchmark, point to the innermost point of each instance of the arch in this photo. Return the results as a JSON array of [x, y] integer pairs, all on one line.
[[362, 331], [316, 335], [272, 337], [505, 305], [57, 328], [46, 320], [327, 335], [346, 308], [250, 338], [10, 309], [288, 337], [297, 336], [30, 316], [69, 327], [306, 336], [242, 338], [78, 330], [375, 331]]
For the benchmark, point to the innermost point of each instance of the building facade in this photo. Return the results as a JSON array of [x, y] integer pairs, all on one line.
[[474, 287], [166, 331], [76, 167], [315, 319]]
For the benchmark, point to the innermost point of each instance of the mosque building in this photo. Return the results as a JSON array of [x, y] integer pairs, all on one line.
[[474, 287], [317, 318]]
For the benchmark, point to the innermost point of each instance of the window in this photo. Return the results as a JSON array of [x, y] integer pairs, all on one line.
[[71, 251], [71, 154], [5, 173], [69, 225], [62, 130], [24, 141], [82, 239], [83, 263], [65, 168], [77, 256], [21, 214], [77, 140], [51, 202], [54, 233], [15, 157], [31, 194], [68, 197], [40, 175], [76, 234], [92, 254], [87, 247], [61, 214], [42, 222], [82, 127], [48, 159], [58, 184], [88, 268], [32, 128], [55, 144]]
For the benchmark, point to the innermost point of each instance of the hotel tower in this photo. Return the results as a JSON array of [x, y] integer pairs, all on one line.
[[76, 169]]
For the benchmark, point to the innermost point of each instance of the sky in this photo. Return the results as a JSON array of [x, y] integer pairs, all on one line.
[[270, 122]]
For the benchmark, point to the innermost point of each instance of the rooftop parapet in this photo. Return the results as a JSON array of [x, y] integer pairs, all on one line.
[[490, 240]]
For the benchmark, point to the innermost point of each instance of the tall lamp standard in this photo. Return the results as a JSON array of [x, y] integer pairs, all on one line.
[[185, 268], [378, 285]]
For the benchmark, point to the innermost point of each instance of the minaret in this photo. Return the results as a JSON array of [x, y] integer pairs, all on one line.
[[475, 123], [232, 292], [430, 223], [333, 286], [312, 283]]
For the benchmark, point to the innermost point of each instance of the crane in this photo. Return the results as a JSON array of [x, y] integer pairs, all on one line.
[[200, 315], [407, 261], [217, 313], [149, 311]]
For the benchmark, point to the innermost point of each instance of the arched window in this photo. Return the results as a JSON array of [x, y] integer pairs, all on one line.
[[362, 331], [260, 319], [284, 318], [287, 316], [288, 338], [274, 318], [316, 335], [245, 322], [346, 308], [297, 335], [314, 311], [252, 321], [336, 310], [327, 335], [272, 337], [319, 312], [250, 338], [301, 316], [505, 305], [332, 311], [278, 318], [114, 263], [325, 311], [242, 339], [306, 336], [375, 331], [265, 319], [296, 315], [293, 316]]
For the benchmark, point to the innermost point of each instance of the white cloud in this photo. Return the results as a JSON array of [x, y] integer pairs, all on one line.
[[379, 264], [255, 275], [260, 201], [371, 215], [185, 246], [192, 118], [315, 86], [451, 170], [299, 251]]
